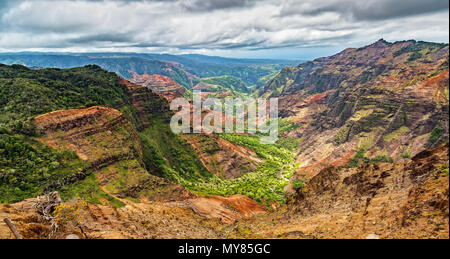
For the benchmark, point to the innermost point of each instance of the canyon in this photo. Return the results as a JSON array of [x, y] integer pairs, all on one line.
[[363, 151]]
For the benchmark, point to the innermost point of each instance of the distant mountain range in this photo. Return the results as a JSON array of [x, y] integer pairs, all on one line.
[[184, 69]]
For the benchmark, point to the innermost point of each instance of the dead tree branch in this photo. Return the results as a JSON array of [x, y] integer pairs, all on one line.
[[13, 228]]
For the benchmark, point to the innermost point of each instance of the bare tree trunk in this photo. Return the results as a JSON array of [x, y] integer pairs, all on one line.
[[13, 228]]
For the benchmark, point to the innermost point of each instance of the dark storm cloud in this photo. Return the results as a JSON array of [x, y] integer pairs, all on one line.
[[210, 5], [214, 44], [103, 37], [194, 5], [366, 10], [362, 10]]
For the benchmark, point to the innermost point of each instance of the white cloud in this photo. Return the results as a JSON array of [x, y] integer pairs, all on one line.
[[214, 26]]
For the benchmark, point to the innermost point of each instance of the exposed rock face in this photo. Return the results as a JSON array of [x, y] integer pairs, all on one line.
[[109, 143], [227, 209], [162, 85], [386, 99], [104, 138], [75, 126], [222, 157]]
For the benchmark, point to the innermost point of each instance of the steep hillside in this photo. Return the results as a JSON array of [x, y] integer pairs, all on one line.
[[408, 199], [228, 83], [382, 102], [222, 157], [250, 71]]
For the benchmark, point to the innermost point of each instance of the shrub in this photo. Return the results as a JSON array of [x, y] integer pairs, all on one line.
[[297, 184], [445, 171], [70, 214], [354, 161], [436, 134], [414, 56], [381, 159], [406, 155]]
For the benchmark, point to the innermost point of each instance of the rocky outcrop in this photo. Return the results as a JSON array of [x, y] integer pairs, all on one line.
[[162, 85], [223, 158], [227, 209]]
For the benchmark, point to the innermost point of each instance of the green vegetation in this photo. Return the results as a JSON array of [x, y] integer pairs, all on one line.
[[185, 70], [25, 93], [27, 167], [249, 74], [396, 134], [413, 56], [287, 125], [165, 153], [228, 83], [342, 134], [361, 114], [445, 171], [265, 79], [281, 81], [417, 48], [365, 77], [360, 157], [88, 190], [265, 184], [381, 159], [441, 170], [354, 161], [435, 135], [406, 155], [297, 184], [291, 144], [181, 165]]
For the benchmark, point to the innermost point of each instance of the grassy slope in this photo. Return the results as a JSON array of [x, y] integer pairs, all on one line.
[[228, 83]]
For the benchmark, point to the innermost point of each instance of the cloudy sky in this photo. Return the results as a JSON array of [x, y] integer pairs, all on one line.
[[236, 28]]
